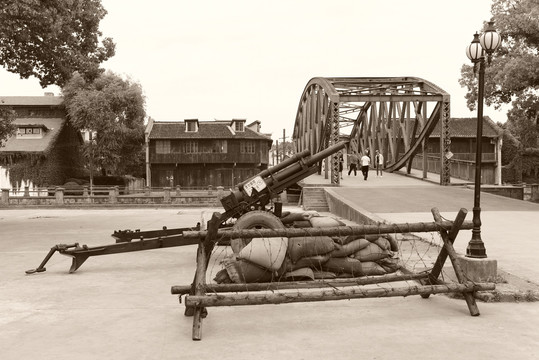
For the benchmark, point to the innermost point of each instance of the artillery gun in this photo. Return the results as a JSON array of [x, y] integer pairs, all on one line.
[[253, 194]]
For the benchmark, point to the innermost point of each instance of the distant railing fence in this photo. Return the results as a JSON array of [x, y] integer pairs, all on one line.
[[103, 195], [461, 166]]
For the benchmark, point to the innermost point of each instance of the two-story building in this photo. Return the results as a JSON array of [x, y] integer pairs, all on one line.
[[45, 150], [463, 148], [195, 153]]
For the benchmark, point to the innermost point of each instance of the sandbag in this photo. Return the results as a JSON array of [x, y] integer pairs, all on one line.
[[372, 268], [299, 275], [306, 246], [372, 252], [393, 242], [324, 275], [313, 262], [290, 217], [266, 252], [242, 271], [350, 248], [391, 239], [344, 265], [383, 243], [284, 214], [347, 239], [325, 221], [302, 224], [390, 265]]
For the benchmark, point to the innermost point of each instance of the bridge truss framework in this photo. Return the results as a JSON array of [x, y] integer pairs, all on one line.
[[395, 115]]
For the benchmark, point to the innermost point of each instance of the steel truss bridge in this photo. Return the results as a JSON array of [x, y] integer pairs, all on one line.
[[395, 115]]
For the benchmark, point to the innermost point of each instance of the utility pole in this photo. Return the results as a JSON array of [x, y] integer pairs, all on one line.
[[277, 149], [284, 144], [91, 163]]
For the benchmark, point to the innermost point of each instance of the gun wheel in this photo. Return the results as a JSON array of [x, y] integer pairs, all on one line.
[[257, 219]]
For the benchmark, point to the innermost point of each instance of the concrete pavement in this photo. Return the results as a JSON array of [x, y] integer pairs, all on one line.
[[120, 307]]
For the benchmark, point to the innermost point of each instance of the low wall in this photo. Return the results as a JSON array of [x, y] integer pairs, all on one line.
[[209, 198], [514, 192], [527, 192], [340, 206]]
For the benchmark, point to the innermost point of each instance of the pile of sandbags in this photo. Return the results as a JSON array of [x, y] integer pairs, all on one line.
[[310, 257]]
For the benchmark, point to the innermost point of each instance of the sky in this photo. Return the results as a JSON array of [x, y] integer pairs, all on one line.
[[219, 60]]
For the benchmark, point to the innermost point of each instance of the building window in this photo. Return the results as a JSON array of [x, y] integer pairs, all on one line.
[[219, 146], [29, 133], [238, 126], [190, 147], [247, 147], [162, 146], [191, 126]]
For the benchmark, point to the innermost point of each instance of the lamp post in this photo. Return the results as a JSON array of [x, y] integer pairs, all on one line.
[[487, 43]]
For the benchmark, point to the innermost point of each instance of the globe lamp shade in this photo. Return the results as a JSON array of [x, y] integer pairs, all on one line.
[[474, 51], [490, 40]]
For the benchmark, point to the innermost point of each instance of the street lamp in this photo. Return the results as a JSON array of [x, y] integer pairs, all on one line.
[[488, 42]]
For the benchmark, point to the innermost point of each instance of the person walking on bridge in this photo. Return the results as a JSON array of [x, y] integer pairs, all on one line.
[[353, 164], [379, 163], [365, 162]]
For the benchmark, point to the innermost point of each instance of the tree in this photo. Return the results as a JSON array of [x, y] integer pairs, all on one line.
[[112, 109], [52, 39], [513, 75], [7, 128]]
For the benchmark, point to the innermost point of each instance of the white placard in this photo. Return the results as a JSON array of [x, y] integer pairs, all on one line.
[[256, 183]]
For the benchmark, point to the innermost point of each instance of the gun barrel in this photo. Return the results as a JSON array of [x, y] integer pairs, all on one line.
[[325, 153], [309, 162], [283, 164]]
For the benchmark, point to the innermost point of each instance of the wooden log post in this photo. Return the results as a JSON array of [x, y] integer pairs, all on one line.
[[442, 256], [205, 247], [448, 246]]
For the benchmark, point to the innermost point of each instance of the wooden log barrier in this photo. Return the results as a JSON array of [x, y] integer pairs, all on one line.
[[327, 295], [200, 295]]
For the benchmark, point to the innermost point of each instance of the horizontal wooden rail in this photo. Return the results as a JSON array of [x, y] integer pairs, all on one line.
[[325, 295], [220, 288]]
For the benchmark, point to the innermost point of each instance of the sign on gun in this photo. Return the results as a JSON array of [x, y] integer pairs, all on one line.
[[256, 183]]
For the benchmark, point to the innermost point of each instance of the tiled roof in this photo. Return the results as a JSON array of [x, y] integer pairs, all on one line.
[[467, 128], [53, 125], [206, 130], [31, 100]]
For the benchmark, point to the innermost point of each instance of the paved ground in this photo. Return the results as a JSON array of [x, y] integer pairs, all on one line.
[[120, 307]]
